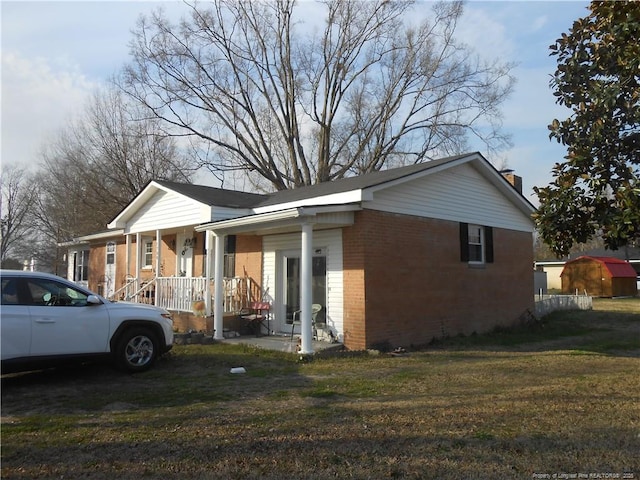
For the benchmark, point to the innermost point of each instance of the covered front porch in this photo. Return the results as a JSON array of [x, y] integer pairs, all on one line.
[[208, 253], [189, 294], [187, 298], [288, 244], [290, 259]]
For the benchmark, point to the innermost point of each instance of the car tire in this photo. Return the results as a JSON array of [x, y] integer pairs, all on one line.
[[136, 350]]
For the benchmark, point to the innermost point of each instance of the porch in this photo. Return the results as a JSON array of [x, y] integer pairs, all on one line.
[[186, 298], [190, 295], [283, 343]]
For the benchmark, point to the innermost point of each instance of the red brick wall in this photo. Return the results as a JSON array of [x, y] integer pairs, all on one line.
[[97, 259], [167, 256], [416, 288], [249, 261], [354, 240], [249, 256], [199, 260], [186, 321]]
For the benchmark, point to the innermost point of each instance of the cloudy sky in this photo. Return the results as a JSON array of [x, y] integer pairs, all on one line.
[[54, 54]]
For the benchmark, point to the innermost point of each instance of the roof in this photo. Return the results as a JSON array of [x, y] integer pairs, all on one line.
[[209, 196], [615, 267], [355, 189], [366, 180], [214, 196], [351, 190], [626, 252]]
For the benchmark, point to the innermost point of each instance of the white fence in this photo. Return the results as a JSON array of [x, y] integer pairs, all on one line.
[[545, 304]]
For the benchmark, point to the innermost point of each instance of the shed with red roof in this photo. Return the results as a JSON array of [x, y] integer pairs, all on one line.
[[599, 277]]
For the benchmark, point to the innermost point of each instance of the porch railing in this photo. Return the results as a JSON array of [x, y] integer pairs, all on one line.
[[188, 294]]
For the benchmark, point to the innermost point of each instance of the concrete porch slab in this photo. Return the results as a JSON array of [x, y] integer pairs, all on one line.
[[281, 343]]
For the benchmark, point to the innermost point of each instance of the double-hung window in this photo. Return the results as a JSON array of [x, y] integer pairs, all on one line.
[[476, 244], [81, 266], [147, 253], [229, 269]]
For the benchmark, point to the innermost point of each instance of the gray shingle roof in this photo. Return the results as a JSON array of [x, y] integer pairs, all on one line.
[[231, 198], [353, 183], [214, 196]]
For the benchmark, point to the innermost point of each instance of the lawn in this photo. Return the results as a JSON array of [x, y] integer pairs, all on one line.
[[556, 398]]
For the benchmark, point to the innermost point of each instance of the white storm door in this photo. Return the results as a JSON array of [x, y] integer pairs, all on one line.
[[291, 287], [110, 270], [184, 255]]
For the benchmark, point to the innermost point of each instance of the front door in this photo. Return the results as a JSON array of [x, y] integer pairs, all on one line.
[[291, 290], [109, 286], [184, 255]]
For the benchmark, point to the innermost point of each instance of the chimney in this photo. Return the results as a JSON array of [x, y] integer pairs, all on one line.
[[513, 179]]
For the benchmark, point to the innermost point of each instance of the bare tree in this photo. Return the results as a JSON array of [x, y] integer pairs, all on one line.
[[17, 227], [100, 162], [297, 104]]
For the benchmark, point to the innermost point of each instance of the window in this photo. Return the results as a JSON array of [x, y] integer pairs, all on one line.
[[475, 236], [147, 253], [111, 253], [81, 266], [229, 256], [476, 244], [50, 293], [10, 291]]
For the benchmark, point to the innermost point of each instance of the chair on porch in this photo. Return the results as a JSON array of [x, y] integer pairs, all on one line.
[[255, 316], [315, 309]]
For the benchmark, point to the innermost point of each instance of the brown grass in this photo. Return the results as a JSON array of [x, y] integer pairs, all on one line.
[[561, 398]]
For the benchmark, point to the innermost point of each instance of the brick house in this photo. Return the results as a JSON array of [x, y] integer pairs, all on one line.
[[393, 258]]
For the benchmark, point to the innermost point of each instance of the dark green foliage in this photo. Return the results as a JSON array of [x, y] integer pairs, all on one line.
[[596, 190]]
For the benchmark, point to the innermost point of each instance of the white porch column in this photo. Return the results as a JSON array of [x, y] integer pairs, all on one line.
[[158, 249], [138, 253], [306, 299], [158, 263], [218, 300], [208, 243], [127, 255]]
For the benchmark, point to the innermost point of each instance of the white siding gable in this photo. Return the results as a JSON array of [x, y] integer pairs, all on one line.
[[460, 194], [227, 213], [168, 210]]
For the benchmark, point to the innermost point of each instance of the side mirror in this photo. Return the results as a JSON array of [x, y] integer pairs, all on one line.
[[93, 300]]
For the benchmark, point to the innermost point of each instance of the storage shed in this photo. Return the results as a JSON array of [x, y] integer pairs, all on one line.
[[599, 277]]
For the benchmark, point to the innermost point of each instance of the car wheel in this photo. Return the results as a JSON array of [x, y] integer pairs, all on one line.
[[136, 350]]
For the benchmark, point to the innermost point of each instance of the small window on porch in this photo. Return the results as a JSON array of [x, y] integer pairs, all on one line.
[[230, 256], [147, 253]]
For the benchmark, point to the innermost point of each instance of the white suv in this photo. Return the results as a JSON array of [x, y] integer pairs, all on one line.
[[46, 320]]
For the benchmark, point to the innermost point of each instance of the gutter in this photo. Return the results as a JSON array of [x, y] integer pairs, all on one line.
[[273, 217]]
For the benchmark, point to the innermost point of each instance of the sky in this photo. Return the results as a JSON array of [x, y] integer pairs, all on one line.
[[55, 54]]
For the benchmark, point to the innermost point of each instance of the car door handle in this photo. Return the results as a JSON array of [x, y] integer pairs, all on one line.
[[45, 320]]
